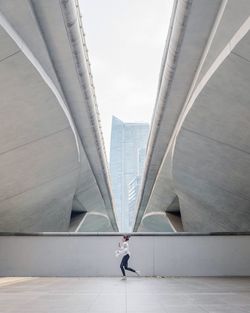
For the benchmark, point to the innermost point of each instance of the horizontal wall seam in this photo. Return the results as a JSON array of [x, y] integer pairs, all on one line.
[[35, 140], [42, 184], [9, 56], [240, 56], [215, 140]]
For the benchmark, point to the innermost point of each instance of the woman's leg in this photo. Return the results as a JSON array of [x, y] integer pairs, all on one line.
[[122, 266], [126, 264]]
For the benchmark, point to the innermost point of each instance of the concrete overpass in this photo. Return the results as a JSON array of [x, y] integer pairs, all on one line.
[[53, 165], [197, 175]]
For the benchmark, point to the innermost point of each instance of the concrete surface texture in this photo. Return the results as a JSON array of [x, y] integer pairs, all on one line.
[[140, 295], [198, 163], [53, 166]]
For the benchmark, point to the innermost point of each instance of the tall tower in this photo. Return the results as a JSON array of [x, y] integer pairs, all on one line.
[[127, 155]]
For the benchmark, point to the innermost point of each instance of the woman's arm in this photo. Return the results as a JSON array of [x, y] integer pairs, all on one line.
[[124, 248]]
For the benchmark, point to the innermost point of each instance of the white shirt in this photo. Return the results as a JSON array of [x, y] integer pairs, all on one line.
[[124, 249]]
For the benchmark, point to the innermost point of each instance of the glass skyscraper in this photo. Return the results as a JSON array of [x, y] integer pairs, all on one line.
[[127, 156]]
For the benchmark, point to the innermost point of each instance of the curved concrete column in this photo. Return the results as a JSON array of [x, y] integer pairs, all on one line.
[[93, 220], [52, 160], [205, 145]]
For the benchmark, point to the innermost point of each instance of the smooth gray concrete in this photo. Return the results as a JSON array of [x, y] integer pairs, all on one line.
[[136, 295], [94, 255], [52, 156], [198, 150]]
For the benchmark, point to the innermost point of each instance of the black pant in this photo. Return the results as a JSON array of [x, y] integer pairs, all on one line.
[[124, 264]]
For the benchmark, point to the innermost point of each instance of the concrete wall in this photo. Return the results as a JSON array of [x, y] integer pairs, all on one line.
[[93, 255]]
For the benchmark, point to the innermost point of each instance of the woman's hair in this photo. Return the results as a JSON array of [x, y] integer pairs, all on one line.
[[126, 237]]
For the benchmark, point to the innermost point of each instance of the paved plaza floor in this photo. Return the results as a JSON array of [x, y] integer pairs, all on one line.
[[137, 295]]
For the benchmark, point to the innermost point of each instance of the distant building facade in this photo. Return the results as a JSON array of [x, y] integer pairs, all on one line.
[[133, 188], [127, 156]]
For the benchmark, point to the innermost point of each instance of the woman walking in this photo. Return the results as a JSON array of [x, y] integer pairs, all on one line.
[[124, 250]]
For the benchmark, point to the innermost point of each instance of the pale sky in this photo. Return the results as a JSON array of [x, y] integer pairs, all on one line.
[[125, 39]]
